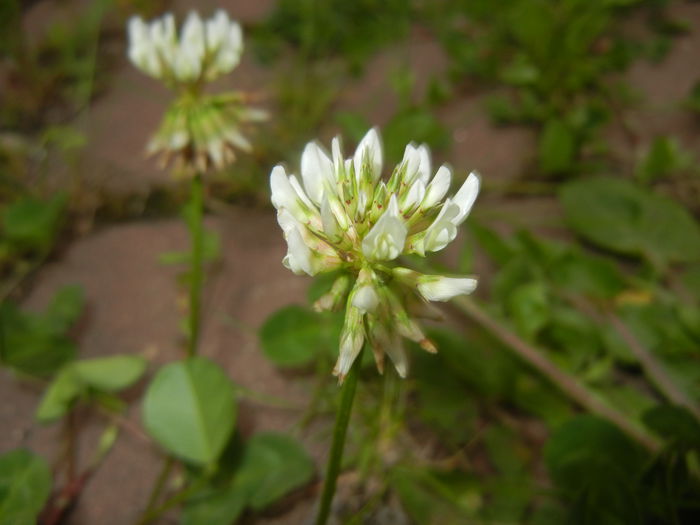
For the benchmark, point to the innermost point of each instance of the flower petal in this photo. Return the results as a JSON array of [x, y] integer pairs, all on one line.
[[371, 146], [466, 196], [438, 187], [316, 167], [386, 239], [439, 288]]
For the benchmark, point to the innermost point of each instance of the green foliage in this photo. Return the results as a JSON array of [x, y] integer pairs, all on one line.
[[189, 408], [294, 336], [25, 485], [38, 344], [30, 224], [663, 159], [79, 378], [321, 30], [271, 465], [597, 468], [619, 216], [553, 61]]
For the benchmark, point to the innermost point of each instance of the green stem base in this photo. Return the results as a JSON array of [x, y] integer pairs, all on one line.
[[347, 396]]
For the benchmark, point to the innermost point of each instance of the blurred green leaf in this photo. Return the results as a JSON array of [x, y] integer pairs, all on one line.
[[37, 344], [272, 465], [414, 124], [294, 336], [617, 215], [663, 158], [189, 408], [110, 374], [673, 423], [557, 148], [25, 486], [32, 223], [587, 449], [105, 374], [65, 388], [529, 308]]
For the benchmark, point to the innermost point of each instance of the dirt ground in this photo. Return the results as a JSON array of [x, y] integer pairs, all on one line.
[[134, 304]]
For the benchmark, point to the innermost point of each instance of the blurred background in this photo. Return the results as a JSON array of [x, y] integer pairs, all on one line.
[[567, 392]]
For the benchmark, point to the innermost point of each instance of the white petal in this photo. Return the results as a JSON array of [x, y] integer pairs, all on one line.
[[283, 193], [316, 167], [337, 153], [466, 196], [398, 356], [414, 196], [294, 182], [438, 187], [385, 241], [330, 224], [298, 258], [216, 28], [425, 166], [410, 164], [365, 299], [371, 146], [443, 230], [438, 288]]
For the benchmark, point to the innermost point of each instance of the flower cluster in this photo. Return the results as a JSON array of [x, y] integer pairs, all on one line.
[[203, 52], [199, 131], [343, 216]]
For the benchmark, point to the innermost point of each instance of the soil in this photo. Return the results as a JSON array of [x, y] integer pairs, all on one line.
[[135, 306]]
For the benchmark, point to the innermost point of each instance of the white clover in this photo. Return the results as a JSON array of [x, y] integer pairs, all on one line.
[[199, 131], [204, 50], [344, 216]]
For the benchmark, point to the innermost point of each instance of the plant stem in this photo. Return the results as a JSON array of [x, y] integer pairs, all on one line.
[[347, 395], [567, 383], [157, 489], [196, 261]]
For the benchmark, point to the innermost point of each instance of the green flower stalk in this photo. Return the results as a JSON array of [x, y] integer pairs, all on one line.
[[199, 131], [343, 216]]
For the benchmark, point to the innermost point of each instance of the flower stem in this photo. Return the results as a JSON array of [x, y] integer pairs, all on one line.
[[196, 261], [347, 395]]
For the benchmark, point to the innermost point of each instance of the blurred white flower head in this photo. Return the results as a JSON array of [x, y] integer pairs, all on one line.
[[199, 131], [343, 216], [203, 51]]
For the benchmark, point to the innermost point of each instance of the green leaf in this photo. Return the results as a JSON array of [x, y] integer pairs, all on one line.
[[189, 408], [619, 216], [25, 485], [59, 396], [586, 450], [663, 158], [37, 344], [272, 466], [66, 307], [557, 148], [215, 506], [596, 467], [673, 423], [110, 374], [529, 307], [292, 336], [32, 223]]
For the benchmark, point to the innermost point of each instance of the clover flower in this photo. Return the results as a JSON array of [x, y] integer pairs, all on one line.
[[199, 131], [343, 216]]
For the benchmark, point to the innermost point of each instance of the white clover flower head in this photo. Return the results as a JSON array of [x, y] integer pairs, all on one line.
[[199, 131], [344, 216], [202, 52]]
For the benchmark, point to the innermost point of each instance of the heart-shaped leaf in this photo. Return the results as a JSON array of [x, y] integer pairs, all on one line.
[[190, 409]]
